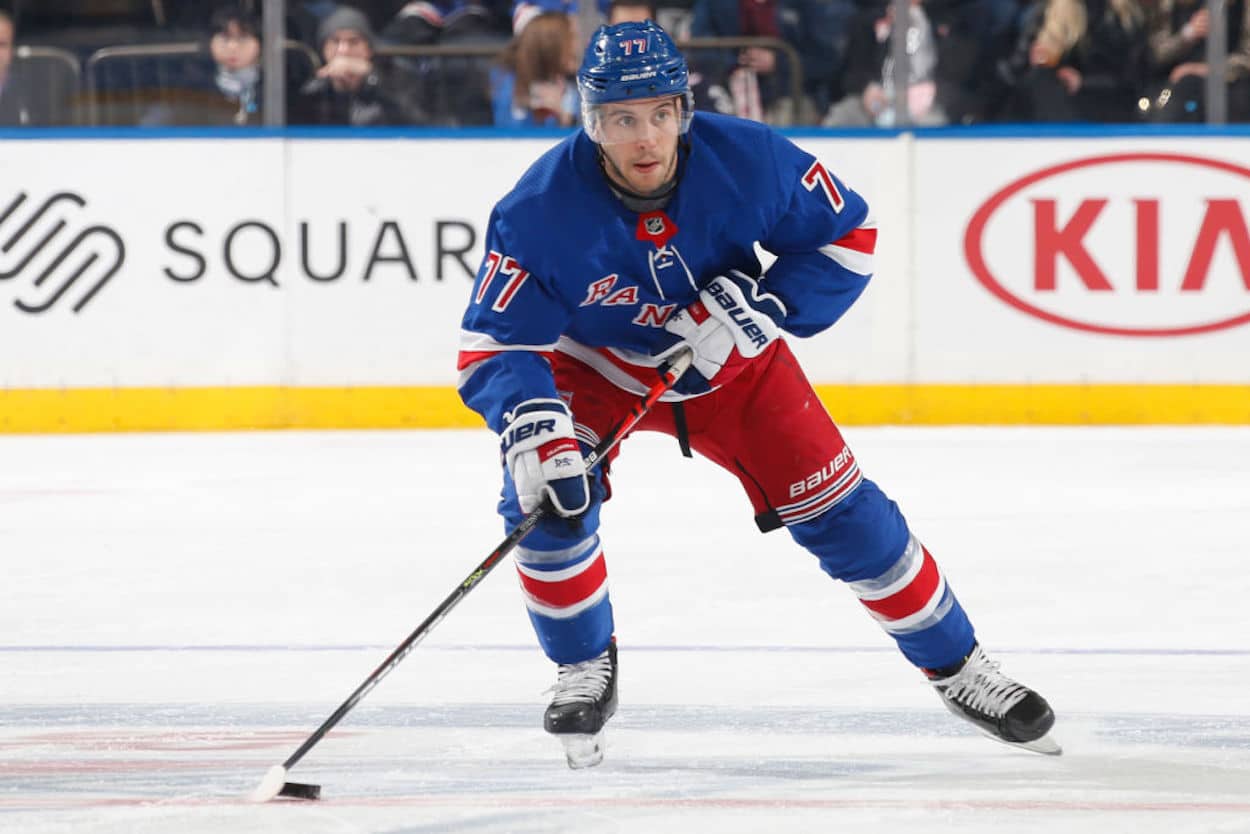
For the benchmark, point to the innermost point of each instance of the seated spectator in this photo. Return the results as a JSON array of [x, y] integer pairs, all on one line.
[[534, 86], [820, 31], [304, 17], [349, 89], [222, 89], [870, 99], [22, 102], [453, 90], [743, 82], [421, 22], [235, 48], [973, 38], [1078, 61], [627, 11], [1178, 33]]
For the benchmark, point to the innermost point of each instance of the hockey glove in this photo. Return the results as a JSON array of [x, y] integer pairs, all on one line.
[[732, 322], [544, 458]]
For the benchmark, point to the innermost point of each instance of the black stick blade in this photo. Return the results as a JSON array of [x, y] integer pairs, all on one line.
[[299, 790]]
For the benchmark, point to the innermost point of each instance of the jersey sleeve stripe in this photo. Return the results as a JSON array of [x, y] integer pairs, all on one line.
[[473, 341], [468, 359], [849, 259], [863, 239]]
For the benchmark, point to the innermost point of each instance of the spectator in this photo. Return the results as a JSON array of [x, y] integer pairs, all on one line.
[[745, 82], [1078, 61], [348, 89], [533, 85], [820, 31], [523, 11], [304, 17], [224, 89], [235, 47], [627, 11], [973, 38], [1178, 33], [870, 98], [454, 90], [421, 22]]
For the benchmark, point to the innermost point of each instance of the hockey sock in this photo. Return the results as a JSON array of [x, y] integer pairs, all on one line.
[[566, 593]]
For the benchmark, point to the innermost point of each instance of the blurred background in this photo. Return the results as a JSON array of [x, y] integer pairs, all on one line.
[[833, 63]]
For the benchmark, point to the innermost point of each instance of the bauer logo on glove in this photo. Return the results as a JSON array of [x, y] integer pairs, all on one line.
[[731, 321], [737, 314]]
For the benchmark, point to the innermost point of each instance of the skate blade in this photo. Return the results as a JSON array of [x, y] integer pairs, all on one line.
[[583, 750], [1045, 745]]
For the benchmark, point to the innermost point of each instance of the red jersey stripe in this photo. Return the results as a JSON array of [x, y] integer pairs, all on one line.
[[469, 357], [861, 240], [569, 591], [912, 598]]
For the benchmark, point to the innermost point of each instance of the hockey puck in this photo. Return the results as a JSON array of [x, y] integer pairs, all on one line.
[[299, 790]]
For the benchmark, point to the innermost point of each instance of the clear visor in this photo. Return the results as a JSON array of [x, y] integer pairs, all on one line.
[[626, 122]]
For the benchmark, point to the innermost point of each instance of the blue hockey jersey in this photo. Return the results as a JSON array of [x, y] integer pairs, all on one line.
[[570, 269]]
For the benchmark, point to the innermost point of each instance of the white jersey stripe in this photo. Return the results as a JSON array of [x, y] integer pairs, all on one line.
[[912, 619], [472, 341], [900, 581], [861, 263], [563, 573]]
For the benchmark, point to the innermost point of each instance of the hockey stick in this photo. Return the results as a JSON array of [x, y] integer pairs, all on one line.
[[274, 783]]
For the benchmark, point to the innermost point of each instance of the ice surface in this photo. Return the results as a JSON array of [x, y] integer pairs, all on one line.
[[178, 612]]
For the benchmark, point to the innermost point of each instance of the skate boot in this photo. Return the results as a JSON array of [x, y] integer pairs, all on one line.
[[996, 705], [584, 700]]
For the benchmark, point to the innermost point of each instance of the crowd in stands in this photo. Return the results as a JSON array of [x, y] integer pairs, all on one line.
[[511, 63]]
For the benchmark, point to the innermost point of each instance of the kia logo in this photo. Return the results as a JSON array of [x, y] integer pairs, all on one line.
[[1131, 244], [60, 264]]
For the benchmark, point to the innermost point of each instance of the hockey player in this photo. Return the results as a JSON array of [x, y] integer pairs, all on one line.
[[632, 240]]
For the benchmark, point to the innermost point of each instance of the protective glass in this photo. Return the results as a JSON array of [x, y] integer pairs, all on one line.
[[625, 122]]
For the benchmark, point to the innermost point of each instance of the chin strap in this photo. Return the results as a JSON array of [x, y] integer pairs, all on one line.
[[654, 201]]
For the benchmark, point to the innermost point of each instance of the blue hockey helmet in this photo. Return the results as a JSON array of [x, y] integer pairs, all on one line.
[[630, 61]]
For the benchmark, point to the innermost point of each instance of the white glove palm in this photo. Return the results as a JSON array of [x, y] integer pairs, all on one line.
[[544, 458]]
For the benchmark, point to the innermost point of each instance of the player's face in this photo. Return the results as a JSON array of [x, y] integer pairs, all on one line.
[[639, 141]]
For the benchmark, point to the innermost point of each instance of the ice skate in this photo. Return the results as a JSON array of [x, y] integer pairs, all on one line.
[[584, 700], [996, 705]]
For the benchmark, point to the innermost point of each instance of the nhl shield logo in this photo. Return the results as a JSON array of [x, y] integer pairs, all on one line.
[[656, 227]]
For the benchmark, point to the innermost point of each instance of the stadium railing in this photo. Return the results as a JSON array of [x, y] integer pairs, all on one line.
[[123, 82], [54, 75], [441, 69]]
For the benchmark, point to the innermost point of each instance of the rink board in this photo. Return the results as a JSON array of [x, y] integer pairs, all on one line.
[[269, 281]]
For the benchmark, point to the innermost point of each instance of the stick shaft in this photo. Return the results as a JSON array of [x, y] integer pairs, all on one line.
[[668, 377]]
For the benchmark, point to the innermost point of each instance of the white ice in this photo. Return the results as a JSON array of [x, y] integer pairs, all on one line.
[[178, 612]]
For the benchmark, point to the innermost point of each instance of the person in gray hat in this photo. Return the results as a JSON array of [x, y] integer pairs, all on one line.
[[348, 89]]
